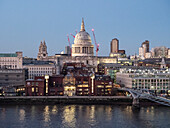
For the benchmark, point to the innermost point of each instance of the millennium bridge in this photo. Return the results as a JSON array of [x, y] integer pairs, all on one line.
[[145, 94]]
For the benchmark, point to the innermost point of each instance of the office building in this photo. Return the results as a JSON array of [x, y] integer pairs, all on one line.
[[11, 60], [39, 68], [150, 79], [13, 77]]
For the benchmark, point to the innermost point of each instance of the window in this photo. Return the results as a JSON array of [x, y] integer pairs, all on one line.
[[33, 89], [77, 49], [36, 89], [36, 83], [32, 83]]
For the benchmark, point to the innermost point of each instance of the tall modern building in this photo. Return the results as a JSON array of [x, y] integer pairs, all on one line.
[[114, 45], [42, 51], [82, 43], [146, 45], [68, 50], [114, 49], [144, 50]]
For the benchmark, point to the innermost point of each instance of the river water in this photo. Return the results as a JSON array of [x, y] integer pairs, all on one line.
[[83, 116]]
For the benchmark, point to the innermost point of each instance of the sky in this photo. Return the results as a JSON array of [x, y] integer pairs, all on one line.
[[24, 23]]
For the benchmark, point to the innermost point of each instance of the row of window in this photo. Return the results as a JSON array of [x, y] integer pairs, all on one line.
[[39, 68], [150, 80], [152, 88], [84, 50], [40, 72], [83, 89], [9, 66], [4, 60], [31, 76], [34, 89]]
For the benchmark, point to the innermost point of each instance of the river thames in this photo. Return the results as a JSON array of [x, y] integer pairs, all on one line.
[[83, 116]]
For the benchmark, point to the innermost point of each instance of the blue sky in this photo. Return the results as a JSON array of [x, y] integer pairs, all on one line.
[[24, 23]]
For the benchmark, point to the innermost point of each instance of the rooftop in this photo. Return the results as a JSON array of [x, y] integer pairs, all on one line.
[[149, 73], [8, 55], [37, 62]]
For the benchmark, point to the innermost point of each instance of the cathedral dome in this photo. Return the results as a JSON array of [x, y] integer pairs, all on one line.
[[82, 38], [82, 43]]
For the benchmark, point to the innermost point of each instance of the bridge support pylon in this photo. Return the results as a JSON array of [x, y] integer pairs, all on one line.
[[135, 103]]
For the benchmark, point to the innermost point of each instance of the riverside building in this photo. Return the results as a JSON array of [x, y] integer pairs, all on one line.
[[76, 79], [13, 77], [151, 79]]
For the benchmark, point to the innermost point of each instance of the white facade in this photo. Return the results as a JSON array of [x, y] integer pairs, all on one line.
[[144, 79], [169, 53], [141, 53], [148, 55], [40, 70], [11, 60]]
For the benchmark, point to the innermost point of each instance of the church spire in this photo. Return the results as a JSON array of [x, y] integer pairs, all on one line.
[[82, 25], [44, 42]]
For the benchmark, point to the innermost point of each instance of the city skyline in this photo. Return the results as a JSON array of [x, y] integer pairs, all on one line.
[[25, 23]]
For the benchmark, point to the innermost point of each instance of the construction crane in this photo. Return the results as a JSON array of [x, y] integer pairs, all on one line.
[[72, 35], [97, 45], [69, 43]]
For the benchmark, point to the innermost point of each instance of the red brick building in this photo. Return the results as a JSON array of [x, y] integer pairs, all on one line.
[[75, 80], [55, 85], [35, 87], [103, 85], [83, 86]]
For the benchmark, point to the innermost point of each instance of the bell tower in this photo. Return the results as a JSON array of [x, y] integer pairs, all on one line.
[[42, 51]]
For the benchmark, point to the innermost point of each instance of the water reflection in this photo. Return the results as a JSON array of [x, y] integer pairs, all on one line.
[[33, 112], [46, 114], [83, 116], [3, 113], [92, 110], [69, 116], [54, 109], [108, 113], [21, 114]]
